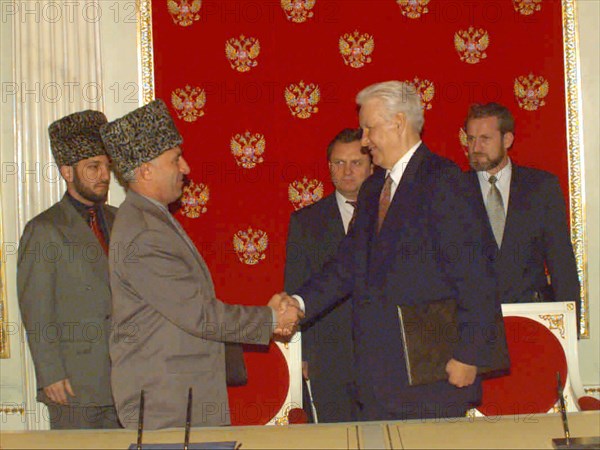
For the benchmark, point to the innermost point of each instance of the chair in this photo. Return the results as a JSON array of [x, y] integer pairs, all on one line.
[[542, 340]]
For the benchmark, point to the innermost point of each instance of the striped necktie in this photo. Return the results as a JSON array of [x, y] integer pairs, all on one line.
[[95, 226], [384, 201]]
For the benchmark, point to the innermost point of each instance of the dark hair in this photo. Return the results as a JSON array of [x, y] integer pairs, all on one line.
[[506, 121], [346, 136]]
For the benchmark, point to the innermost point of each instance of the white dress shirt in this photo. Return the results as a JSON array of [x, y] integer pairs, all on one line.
[[346, 209], [398, 169]]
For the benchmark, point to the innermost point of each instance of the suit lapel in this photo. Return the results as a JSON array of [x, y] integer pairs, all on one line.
[[147, 206], [334, 228], [80, 237], [403, 199], [514, 205], [480, 208]]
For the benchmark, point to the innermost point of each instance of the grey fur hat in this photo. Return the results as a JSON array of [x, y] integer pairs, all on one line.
[[140, 136], [76, 137]]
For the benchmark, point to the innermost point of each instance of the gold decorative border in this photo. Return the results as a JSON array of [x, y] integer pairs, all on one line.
[[145, 50], [4, 341], [575, 153], [574, 128], [12, 410]]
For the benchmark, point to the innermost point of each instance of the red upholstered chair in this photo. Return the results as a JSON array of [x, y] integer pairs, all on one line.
[[274, 385], [542, 340]]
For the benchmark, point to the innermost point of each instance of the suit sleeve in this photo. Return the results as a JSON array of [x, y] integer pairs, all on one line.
[[557, 246], [297, 264], [333, 282], [36, 282], [169, 284]]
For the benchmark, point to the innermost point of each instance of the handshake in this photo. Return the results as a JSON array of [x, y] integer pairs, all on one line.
[[287, 313]]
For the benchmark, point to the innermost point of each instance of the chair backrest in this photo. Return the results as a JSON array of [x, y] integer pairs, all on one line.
[[542, 340]]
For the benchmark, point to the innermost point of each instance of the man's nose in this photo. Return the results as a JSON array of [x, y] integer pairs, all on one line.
[[183, 166]]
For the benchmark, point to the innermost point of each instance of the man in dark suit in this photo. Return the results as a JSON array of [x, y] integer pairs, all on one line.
[[313, 238], [62, 281], [528, 227], [414, 241]]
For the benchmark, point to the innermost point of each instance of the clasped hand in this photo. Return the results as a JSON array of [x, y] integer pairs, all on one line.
[[287, 313]]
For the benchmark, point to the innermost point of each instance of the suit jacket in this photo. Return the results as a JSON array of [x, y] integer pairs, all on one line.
[[64, 297], [313, 238], [536, 234], [168, 326], [425, 251]]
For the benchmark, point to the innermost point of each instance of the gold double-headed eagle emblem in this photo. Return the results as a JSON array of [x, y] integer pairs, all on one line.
[[530, 91], [194, 199], [413, 9], [527, 7], [298, 11], [188, 103], [250, 245], [184, 13], [356, 48], [248, 148], [425, 89], [242, 53], [471, 44], [302, 99], [305, 192]]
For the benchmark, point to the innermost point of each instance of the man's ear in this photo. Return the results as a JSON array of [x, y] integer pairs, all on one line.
[[67, 173], [145, 171], [508, 140], [400, 121]]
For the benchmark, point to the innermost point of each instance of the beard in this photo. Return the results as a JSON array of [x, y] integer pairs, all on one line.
[[487, 164], [86, 192]]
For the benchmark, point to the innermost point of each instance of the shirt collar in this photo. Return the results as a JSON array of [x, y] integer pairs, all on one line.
[[398, 169], [503, 175]]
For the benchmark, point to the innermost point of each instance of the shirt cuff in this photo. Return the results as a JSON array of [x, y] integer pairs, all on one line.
[[300, 301]]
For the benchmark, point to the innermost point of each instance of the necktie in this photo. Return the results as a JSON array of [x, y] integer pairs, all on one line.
[[495, 210], [353, 218], [95, 226], [384, 201]]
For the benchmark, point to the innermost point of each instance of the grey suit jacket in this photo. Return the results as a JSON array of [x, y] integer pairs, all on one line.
[[64, 297], [168, 326]]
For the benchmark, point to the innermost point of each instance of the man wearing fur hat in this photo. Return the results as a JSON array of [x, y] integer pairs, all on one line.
[[169, 328], [62, 281]]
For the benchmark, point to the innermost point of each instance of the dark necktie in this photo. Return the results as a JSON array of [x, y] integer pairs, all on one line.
[[353, 218], [384, 201], [495, 209], [95, 226]]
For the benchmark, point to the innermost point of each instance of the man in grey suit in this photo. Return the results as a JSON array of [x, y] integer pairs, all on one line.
[[62, 281], [169, 328], [314, 235]]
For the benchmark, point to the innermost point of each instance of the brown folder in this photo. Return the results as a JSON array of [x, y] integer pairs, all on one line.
[[429, 336]]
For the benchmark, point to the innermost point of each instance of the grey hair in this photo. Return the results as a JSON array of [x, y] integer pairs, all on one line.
[[397, 97]]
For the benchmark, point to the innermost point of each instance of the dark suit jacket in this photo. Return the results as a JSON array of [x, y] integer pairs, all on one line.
[[425, 251], [64, 296], [536, 234], [313, 238]]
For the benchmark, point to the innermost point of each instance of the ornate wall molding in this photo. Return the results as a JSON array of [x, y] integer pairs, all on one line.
[[145, 50], [575, 149]]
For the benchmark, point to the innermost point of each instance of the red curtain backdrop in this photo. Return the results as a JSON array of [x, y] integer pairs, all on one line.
[[508, 51]]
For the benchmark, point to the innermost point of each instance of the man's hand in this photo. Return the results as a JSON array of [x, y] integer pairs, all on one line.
[[460, 374], [287, 313], [57, 392]]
